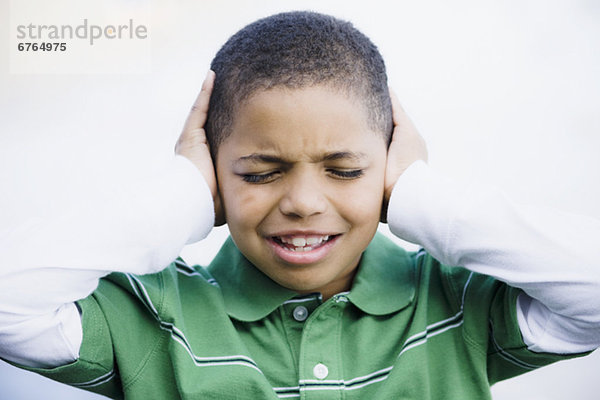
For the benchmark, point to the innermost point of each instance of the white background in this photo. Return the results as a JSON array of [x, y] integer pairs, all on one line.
[[506, 92]]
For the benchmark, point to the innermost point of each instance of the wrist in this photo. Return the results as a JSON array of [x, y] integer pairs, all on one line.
[[421, 206], [192, 184]]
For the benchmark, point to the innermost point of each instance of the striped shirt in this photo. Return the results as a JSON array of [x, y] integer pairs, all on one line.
[[409, 328]]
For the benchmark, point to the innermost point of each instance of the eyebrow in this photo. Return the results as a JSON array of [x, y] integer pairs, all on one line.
[[334, 156], [344, 155]]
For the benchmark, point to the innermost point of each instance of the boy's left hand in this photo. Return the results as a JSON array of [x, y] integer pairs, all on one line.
[[407, 146], [193, 144]]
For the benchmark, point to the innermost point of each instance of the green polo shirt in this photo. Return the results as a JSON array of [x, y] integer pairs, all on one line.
[[409, 328]]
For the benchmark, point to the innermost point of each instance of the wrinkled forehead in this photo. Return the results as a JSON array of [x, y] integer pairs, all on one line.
[[311, 121]]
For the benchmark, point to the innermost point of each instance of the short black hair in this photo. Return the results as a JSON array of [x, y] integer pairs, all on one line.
[[295, 50]]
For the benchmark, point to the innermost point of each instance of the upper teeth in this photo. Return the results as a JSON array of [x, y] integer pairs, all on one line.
[[301, 241]]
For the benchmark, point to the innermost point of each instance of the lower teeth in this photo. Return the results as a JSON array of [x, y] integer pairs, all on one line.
[[301, 249]]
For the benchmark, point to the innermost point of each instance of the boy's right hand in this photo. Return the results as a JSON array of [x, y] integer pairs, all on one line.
[[406, 147], [193, 145]]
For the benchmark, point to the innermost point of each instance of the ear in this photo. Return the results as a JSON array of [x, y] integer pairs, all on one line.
[[220, 218], [219, 210]]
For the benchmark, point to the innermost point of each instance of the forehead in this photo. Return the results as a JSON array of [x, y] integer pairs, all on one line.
[[302, 121]]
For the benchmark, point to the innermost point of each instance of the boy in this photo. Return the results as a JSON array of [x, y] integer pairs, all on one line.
[[304, 300]]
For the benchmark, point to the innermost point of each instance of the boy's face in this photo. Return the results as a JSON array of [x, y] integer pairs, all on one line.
[[301, 178]]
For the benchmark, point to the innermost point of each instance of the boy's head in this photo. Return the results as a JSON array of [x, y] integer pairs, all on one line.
[[299, 122], [296, 50]]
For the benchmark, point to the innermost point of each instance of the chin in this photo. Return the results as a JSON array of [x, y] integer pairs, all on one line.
[[302, 286]]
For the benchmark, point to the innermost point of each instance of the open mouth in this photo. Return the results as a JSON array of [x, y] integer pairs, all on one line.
[[302, 244]]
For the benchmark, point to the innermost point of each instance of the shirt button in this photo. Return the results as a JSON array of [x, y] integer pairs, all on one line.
[[320, 371], [300, 313]]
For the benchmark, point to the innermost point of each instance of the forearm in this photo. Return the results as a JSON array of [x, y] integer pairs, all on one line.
[[47, 266], [552, 256]]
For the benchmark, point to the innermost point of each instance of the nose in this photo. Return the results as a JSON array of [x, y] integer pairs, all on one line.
[[303, 196]]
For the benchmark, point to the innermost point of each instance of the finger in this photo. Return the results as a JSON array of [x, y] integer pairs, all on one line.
[[403, 125], [199, 111], [399, 116]]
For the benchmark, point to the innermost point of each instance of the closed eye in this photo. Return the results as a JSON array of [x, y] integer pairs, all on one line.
[[271, 176], [259, 178], [346, 174]]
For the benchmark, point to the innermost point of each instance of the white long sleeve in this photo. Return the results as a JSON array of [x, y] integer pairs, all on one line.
[[553, 256], [46, 266]]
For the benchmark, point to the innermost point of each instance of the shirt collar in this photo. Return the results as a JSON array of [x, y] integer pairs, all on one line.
[[384, 282], [249, 294]]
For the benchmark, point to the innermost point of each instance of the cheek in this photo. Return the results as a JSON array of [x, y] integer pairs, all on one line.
[[244, 206], [362, 201]]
